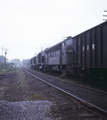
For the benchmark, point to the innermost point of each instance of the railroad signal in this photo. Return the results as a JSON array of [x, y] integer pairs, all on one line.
[[4, 49]]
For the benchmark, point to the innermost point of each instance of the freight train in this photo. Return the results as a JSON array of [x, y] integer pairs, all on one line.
[[84, 54]]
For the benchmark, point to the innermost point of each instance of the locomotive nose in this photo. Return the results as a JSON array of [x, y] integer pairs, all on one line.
[[69, 49]]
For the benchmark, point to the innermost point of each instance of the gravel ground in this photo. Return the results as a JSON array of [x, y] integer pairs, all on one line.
[[22, 97], [25, 110]]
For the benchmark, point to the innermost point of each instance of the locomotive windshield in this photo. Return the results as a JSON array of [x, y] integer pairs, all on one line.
[[68, 42]]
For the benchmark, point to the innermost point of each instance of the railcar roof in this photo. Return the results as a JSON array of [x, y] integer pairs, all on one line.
[[56, 46], [90, 29]]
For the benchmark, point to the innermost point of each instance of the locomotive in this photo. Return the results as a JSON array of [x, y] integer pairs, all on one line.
[[84, 54]]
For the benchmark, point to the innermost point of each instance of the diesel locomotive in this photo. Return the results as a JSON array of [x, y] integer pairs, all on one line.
[[84, 54]]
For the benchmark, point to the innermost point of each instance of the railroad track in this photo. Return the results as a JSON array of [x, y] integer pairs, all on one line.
[[100, 91], [94, 102]]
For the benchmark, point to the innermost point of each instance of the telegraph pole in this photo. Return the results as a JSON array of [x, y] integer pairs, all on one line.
[[2, 53], [5, 54], [105, 16]]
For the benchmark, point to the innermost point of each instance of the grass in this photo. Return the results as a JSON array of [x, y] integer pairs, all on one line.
[[20, 89], [37, 96], [29, 94], [8, 68]]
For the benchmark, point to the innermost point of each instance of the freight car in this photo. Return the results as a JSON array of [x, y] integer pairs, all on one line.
[[84, 54], [89, 57]]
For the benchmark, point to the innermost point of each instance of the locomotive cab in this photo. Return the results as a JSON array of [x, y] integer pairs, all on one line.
[[69, 54]]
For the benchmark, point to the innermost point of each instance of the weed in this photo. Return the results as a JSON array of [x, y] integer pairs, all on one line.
[[37, 96]]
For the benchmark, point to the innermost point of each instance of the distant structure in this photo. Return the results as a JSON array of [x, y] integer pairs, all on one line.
[[2, 59], [15, 61], [26, 62]]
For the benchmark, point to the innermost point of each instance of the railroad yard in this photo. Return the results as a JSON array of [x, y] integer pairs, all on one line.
[[24, 97], [53, 61]]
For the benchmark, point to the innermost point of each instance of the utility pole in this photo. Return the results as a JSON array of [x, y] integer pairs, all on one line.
[[5, 54], [105, 16], [2, 53]]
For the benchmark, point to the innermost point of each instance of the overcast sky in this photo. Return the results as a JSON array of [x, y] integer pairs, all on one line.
[[28, 25]]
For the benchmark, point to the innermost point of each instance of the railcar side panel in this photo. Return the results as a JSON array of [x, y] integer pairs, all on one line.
[[104, 44], [63, 54], [75, 52], [83, 50], [92, 47], [54, 58], [98, 48], [79, 50], [87, 38]]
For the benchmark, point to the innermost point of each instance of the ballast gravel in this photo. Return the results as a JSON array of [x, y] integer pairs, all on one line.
[[25, 110]]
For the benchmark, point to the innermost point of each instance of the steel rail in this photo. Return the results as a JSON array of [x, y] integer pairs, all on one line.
[[90, 107], [100, 91]]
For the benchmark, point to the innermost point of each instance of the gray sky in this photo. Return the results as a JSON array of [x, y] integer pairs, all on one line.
[[28, 25]]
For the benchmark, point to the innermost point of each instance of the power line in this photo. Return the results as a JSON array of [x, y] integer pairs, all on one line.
[[105, 16], [105, 10]]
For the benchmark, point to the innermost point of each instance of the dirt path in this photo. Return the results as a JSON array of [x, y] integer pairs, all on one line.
[[18, 86]]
